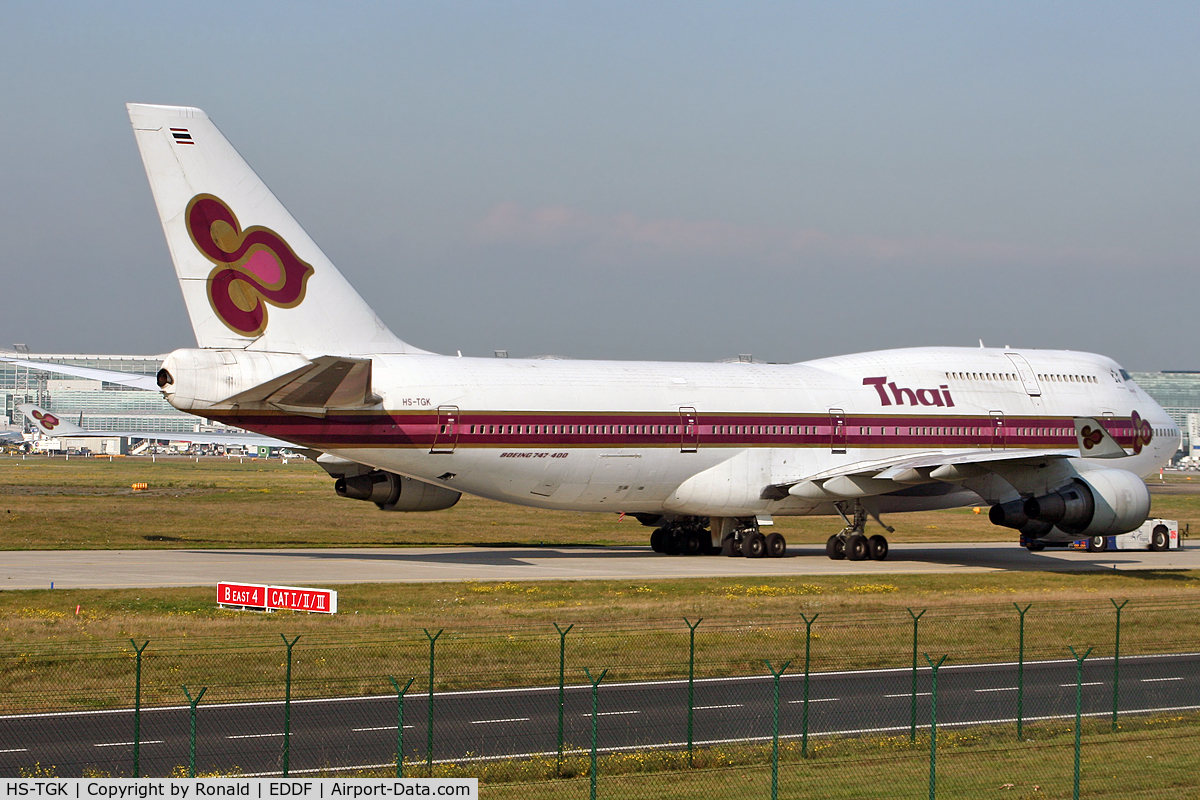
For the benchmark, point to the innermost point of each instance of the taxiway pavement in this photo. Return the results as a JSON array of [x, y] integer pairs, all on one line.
[[109, 569]]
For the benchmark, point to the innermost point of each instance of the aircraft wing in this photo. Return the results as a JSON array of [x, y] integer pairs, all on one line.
[[881, 477], [991, 473], [123, 378]]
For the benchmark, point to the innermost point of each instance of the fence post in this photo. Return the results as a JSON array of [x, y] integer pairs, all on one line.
[[691, 680], [137, 706], [287, 705], [562, 665], [400, 723], [1078, 708], [194, 701], [1021, 670], [1116, 661], [933, 725], [912, 731], [595, 712], [808, 623], [429, 725], [775, 729]]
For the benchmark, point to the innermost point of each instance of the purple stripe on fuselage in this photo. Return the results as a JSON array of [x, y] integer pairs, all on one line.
[[556, 429]]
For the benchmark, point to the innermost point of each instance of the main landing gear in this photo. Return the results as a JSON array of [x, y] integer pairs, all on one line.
[[853, 543], [687, 537], [690, 536]]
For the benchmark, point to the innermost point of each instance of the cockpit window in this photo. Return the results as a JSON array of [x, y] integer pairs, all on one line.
[[1126, 375]]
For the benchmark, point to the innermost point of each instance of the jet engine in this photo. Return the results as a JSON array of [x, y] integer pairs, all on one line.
[[392, 492], [1101, 502]]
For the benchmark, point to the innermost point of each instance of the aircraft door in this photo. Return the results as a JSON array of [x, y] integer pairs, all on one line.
[[837, 431], [1026, 374], [689, 429], [445, 435], [998, 442]]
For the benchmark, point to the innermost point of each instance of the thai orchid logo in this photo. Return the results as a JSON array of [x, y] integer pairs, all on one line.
[[1091, 436], [1142, 432], [47, 421], [254, 267]]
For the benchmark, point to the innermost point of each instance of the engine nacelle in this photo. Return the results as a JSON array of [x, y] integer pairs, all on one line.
[[1102, 502], [392, 492]]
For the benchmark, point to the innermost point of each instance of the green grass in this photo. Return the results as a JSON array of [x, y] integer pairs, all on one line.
[[1151, 762], [501, 634]]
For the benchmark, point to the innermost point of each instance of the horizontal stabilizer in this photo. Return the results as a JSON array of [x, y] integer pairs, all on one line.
[[122, 378], [329, 382]]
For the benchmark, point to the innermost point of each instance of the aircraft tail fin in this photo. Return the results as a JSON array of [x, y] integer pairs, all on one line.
[[47, 423], [251, 277]]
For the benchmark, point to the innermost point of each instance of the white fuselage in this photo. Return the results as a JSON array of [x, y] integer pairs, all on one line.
[[707, 439]]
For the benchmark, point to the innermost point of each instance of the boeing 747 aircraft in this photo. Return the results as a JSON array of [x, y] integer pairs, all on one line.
[[1055, 442]]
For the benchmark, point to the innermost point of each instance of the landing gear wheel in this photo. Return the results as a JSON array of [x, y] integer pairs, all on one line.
[[730, 547], [877, 547], [692, 544], [776, 545], [835, 548], [673, 543], [1097, 544], [1160, 539], [658, 540], [1035, 546], [754, 545], [856, 547]]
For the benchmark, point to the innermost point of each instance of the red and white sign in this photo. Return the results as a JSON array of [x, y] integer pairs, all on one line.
[[249, 595], [321, 601], [269, 598]]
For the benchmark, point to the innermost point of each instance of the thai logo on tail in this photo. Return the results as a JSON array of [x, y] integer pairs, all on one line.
[[47, 421], [254, 267]]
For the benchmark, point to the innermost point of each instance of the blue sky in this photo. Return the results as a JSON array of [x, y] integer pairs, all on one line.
[[635, 180]]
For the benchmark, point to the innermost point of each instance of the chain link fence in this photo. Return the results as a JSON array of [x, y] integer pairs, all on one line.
[[1101, 695]]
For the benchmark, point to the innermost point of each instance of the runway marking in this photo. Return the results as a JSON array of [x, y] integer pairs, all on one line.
[[1157, 680], [16, 750], [111, 744], [673, 746], [380, 728], [611, 713], [817, 700], [254, 736], [919, 694], [730, 705], [1000, 689], [490, 721], [1070, 685]]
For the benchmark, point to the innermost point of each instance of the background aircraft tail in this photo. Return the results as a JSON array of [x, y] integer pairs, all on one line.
[[47, 423], [251, 277]]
